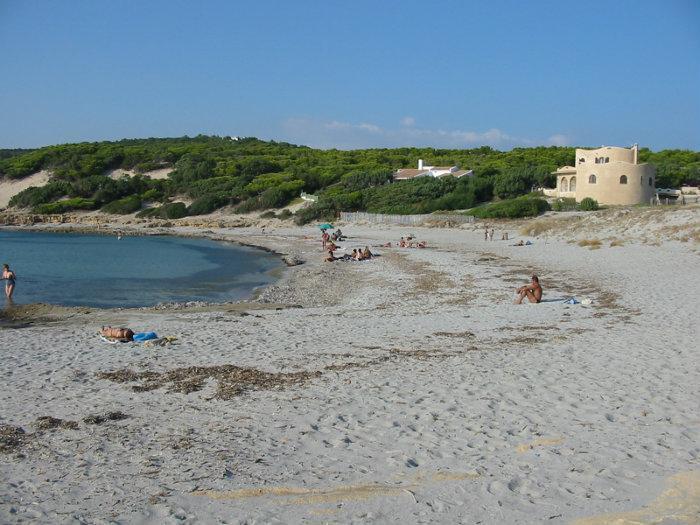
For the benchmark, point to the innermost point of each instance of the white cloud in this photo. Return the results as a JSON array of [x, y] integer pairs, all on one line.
[[348, 135], [559, 140]]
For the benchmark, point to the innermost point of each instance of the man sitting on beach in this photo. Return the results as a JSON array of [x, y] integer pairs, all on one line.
[[330, 257], [533, 291]]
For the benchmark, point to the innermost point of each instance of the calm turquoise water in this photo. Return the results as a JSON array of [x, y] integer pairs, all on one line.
[[101, 271]]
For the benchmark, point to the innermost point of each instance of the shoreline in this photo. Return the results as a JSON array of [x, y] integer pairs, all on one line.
[[279, 273]]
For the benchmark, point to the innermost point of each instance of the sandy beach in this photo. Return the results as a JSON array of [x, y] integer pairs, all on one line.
[[404, 389]]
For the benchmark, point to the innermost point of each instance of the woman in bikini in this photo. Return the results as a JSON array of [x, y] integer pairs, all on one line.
[[10, 278]]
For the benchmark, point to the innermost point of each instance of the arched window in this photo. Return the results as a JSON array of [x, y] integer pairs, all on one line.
[[623, 179], [581, 160], [591, 179], [564, 184], [572, 184], [651, 181]]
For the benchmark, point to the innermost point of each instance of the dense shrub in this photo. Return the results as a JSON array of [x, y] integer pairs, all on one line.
[[78, 203], [207, 204], [124, 206], [564, 204], [35, 196], [512, 209], [513, 183], [173, 210], [269, 214], [285, 214], [271, 198], [588, 204], [319, 211], [358, 180], [152, 195]]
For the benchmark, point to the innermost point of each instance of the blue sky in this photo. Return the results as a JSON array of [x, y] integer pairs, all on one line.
[[350, 74]]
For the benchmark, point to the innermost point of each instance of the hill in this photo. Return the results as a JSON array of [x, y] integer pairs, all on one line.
[[247, 174]]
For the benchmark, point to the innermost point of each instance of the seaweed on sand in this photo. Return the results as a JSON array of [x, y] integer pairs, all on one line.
[[232, 380], [98, 419], [11, 438], [52, 423]]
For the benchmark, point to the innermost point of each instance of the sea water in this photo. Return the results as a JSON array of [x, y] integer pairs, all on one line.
[[105, 271]]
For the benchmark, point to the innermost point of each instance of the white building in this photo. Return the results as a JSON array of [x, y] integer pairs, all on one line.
[[430, 171]]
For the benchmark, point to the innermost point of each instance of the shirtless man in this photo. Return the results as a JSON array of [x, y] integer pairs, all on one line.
[[533, 291]]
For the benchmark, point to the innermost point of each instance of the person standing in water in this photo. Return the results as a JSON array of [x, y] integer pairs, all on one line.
[[10, 278]]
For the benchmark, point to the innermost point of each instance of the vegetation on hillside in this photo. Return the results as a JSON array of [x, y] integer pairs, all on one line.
[[250, 174]]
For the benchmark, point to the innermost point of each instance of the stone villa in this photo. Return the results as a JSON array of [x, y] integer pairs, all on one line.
[[610, 175]]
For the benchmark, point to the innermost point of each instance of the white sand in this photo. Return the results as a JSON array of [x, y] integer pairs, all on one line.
[[444, 402], [9, 188]]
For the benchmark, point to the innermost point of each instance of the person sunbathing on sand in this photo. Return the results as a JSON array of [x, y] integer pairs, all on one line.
[[421, 244], [367, 254], [532, 291], [402, 243], [329, 257]]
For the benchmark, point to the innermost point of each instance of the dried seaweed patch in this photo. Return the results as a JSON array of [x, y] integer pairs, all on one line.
[[98, 419], [53, 423], [232, 380], [11, 438]]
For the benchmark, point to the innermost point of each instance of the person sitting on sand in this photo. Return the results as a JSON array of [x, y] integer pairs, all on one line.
[[331, 246], [367, 254], [402, 243], [330, 257], [532, 291], [10, 278], [359, 256]]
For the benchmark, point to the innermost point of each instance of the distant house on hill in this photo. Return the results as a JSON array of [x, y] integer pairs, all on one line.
[[430, 171], [610, 175]]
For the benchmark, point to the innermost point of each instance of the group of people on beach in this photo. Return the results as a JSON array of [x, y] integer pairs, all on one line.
[[532, 291], [488, 234], [10, 278], [408, 242], [329, 247], [358, 254]]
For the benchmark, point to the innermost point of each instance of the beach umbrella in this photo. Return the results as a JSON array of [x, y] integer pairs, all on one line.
[[325, 226]]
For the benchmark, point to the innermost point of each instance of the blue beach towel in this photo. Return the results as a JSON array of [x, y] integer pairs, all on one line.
[[140, 337]]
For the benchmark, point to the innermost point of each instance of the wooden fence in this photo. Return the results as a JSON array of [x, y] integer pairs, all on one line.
[[406, 220]]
